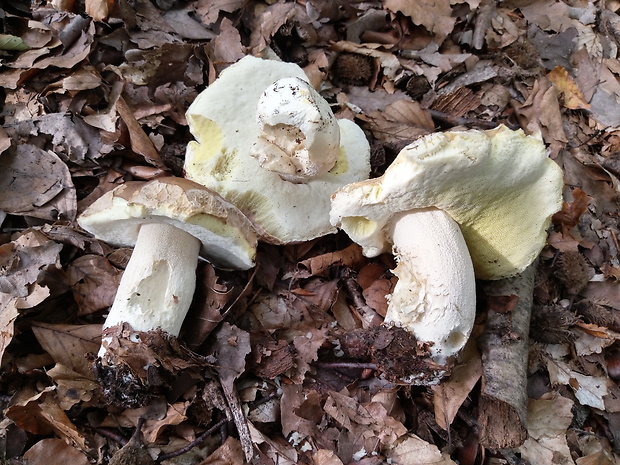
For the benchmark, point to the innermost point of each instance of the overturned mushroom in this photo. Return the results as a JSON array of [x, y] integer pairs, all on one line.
[[170, 221], [452, 206], [270, 144]]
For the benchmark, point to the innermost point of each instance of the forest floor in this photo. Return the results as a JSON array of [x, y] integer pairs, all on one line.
[[94, 95]]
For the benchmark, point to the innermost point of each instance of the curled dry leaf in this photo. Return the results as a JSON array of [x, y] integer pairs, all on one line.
[[94, 282], [40, 414], [349, 257]]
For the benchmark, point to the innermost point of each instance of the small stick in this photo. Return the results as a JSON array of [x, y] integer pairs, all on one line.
[[192, 444]]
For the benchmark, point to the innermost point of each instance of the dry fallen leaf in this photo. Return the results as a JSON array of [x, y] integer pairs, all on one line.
[[42, 180], [400, 123], [94, 282], [435, 16], [450, 395], [548, 419], [8, 315], [54, 450], [70, 345], [413, 450]]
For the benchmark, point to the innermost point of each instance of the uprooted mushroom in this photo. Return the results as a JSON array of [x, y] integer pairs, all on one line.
[[453, 206], [270, 144], [169, 222]]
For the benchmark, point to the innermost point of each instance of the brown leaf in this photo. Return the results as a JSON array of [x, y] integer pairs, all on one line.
[[269, 21], [376, 284], [319, 294], [400, 123], [451, 393], [54, 450], [231, 348], [72, 387], [38, 413], [435, 16], [212, 297], [94, 282], [572, 211], [229, 453], [209, 10], [98, 9], [307, 346], [227, 46], [24, 260], [175, 415], [541, 113], [140, 142], [349, 257], [42, 180], [70, 345], [8, 315]]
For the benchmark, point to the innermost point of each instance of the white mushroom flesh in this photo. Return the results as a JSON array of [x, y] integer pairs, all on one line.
[[299, 136], [435, 297], [158, 284]]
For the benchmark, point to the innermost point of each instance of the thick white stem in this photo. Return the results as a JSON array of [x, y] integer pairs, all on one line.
[[435, 297], [158, 284]]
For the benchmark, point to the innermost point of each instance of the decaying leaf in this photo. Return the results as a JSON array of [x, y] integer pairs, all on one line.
[[450, 395], [548, 419], [70, 345], [35, 182], [54, 450], [413, 450], [8, 315], [589, 390], [436, 16], [400, 123]]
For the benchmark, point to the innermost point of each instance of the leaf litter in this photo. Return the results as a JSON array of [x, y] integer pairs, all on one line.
[[287, 361]]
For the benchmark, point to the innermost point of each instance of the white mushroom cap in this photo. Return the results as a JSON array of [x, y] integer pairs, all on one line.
[[299, 135], [498, 185], [228, 239], [223, 119]]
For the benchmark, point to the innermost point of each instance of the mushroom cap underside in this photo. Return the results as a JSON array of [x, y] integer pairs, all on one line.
[[499, 185], [223, 121], [228, 239]]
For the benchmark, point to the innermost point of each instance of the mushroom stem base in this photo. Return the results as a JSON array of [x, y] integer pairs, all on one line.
[[158, 284], [435, 297]]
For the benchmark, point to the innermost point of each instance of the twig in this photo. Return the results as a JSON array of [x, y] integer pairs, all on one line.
[[192, 444], [336, 365], [368, 316], [504, 348]]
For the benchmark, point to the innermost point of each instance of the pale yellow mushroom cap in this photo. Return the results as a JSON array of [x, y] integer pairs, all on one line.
[[223, 119], [498, 185], [228, 239]]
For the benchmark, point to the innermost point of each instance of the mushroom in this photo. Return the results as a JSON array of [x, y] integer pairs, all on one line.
[[170, 222], [270, 144], [453, 206]]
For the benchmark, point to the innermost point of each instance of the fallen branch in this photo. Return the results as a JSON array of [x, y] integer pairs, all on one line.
[[504, 346]]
